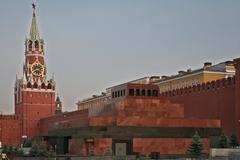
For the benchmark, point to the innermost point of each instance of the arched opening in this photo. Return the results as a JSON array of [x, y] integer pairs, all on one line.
[[29, 85], [35, 85], [49, 86], [36, 45], [43, 86], [29, 44]]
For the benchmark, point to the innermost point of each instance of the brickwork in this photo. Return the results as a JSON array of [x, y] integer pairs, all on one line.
[[213, 100], [10, 130], [165, 145], [102, 121], [149, 107], [102, 145], [77, 146], [65, 120]]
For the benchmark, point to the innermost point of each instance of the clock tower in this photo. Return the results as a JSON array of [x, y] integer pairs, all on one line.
[[34, 92]]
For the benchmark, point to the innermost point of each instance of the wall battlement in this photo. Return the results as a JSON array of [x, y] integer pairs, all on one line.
[[213, 85], [10, 117]]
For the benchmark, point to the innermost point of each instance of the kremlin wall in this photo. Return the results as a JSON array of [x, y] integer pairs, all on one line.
[[143, 116]]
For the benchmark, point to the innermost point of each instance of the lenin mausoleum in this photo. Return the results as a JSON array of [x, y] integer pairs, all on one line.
[[146, 115]]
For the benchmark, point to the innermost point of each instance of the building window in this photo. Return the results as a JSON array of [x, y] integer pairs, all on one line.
[[143, 92], [121, 93], [137, 92], [118, 93], [115, 94], [124, 92], [112, 94], [131, 92], [149, 92], [155, 93]]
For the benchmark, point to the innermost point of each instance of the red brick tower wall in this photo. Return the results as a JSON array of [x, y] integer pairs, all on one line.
[[40, 105]]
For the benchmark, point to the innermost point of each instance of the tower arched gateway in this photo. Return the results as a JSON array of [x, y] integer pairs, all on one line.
[[34, 92]]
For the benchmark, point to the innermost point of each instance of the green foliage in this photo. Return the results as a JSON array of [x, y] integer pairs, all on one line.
[[19, 152], [223, 141], [196, 147], [9, 150], [27, 143], [40, 149], [233, 141]]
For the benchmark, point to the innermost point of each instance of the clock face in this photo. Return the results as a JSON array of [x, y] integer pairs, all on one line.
[[37, 69]]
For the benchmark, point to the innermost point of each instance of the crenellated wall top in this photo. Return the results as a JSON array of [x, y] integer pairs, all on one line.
[[213, 85]]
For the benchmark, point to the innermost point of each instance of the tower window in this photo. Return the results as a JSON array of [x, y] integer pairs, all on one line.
[[49, 86], [36, 44], [35, 85], [43, 86], [29, 44], [143, 92], [29, 85]]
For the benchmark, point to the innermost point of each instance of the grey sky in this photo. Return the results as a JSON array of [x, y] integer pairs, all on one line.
[[93, 44]]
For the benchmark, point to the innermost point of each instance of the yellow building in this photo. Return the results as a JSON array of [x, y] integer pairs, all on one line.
[[190, 77]]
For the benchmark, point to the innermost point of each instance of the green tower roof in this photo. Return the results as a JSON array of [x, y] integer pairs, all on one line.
[[58, 99]]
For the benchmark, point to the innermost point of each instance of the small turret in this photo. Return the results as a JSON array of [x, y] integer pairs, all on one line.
[[58, 105], [24, 78]]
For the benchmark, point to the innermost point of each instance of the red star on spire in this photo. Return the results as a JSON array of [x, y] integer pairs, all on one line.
[[33, 6]]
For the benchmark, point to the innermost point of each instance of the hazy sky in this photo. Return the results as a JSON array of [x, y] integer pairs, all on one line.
[[94, 44]]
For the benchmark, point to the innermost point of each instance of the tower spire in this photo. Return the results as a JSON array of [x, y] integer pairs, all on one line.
[[34, 33]]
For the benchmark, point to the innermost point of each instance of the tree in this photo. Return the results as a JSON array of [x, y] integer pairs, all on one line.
[[233, 141], [27, 143], [40, 149], [223, 141], [196, 147]]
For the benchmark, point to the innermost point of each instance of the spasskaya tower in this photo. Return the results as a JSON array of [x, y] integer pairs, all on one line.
[[34, 92]]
